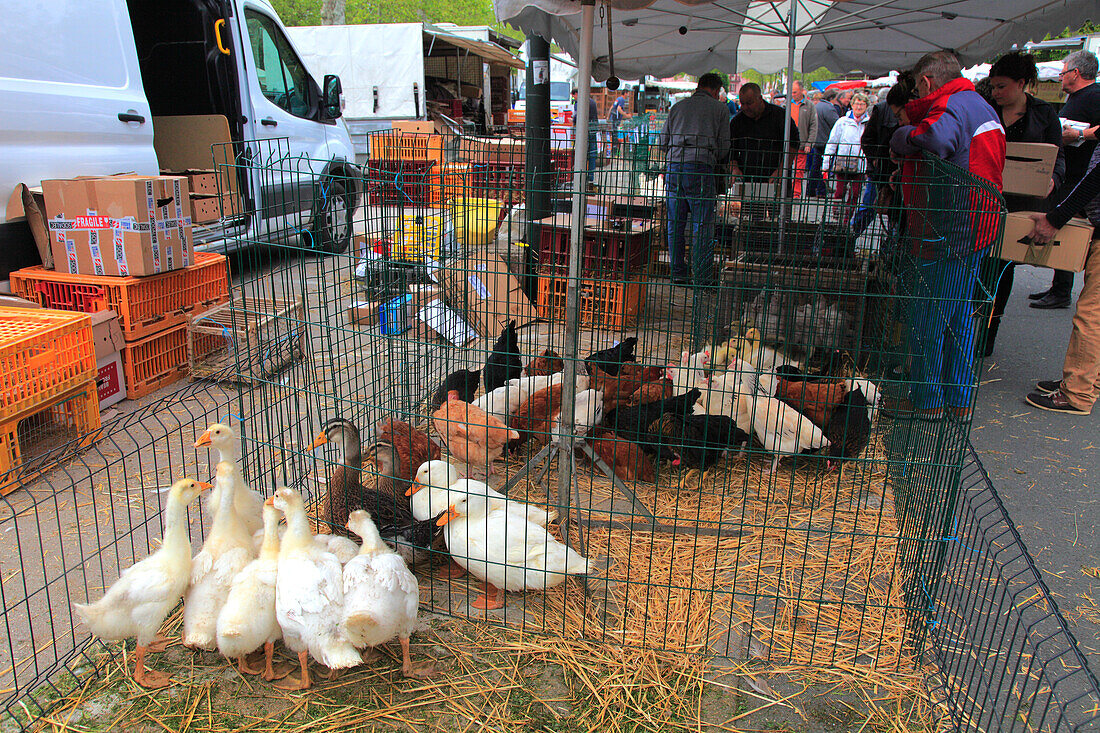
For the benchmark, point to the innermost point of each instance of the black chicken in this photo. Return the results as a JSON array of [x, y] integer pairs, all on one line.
[[848, 429], [611, 360], [504, 363], [696, 441], [463, 381], [633, 422]]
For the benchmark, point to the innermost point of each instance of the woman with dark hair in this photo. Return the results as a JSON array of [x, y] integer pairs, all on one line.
[[1026, 120]]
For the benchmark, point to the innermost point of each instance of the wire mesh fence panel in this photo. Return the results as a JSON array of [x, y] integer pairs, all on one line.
[[739, 443], [999, 653]]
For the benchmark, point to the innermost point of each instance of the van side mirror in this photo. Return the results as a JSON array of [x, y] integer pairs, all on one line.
[[332, 98]]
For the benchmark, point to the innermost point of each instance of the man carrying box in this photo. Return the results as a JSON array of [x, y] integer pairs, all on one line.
[[1076, 392]]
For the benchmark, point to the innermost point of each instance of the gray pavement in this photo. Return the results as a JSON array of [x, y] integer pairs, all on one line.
[[1046, 466]]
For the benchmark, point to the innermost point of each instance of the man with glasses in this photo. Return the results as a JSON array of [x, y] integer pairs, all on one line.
[[1083, 106]]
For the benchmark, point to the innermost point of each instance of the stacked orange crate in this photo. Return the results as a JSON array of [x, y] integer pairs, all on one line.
[[152, 311]]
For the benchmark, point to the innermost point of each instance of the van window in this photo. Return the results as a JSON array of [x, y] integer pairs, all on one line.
[[283, 78], [79, 45]]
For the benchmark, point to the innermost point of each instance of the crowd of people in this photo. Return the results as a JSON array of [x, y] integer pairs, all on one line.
[[856, 152]]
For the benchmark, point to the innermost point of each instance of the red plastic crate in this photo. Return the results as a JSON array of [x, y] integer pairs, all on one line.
[[561, 163], [43, 354], [404, 182], [601, 303], [160, 359], [145, 305], [606, 252], [502, 181]]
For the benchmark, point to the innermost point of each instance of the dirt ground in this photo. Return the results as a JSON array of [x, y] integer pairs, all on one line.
[[490, 678]]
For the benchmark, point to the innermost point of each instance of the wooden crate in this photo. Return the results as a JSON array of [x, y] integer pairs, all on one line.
[[247, 340]]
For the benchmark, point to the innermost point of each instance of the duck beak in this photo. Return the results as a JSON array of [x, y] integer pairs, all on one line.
[[204, 440], [270, 501], [204, 486], [320, 440], [450, 514], [417, 486]]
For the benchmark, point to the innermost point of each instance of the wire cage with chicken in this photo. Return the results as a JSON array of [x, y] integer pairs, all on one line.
[[563, 428]]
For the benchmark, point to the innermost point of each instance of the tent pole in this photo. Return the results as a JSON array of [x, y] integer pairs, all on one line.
[[785, 205], [566, 456]]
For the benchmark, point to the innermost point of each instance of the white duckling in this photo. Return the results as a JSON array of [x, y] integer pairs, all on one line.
[[381, 596], [139, 601], [505, 551], [247, 620], [249, 503], [438, 484], [226, 552], [309, 595], [342, 547]]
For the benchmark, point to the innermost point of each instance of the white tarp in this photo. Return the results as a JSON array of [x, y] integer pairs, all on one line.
[[389, 57], [666, 37]]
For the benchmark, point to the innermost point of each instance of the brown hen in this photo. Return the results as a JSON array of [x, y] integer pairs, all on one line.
[[814, 399], [472, 435], [625, 458], [549, 363]]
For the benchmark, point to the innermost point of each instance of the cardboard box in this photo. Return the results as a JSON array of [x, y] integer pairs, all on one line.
[[487, 294], [119, 225], [363, 312], [203, 182], [110, 381], [445, 322], [205, 209], [14, 301], [106, 334], [1028, 168], [1067, 251]]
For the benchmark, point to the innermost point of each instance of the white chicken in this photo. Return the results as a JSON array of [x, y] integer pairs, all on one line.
[[503, 401], [503, 549], [381, 596], [309, 596], [139, 601], [781, 429], [587, 411], [226, 551], [249, 503], [247, 620]]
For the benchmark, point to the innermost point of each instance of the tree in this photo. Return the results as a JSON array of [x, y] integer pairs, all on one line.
[[332, 12]]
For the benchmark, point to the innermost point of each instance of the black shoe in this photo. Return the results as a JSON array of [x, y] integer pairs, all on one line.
[[1040, 295], [680, 279], [1054, 402], [1049, 387], [1050, 301]]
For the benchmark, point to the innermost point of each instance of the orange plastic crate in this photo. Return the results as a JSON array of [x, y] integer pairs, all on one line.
[[145, 305], [602, 303], [406, 146], [456, 181], [43, 354], [69, 420], [160, 359]]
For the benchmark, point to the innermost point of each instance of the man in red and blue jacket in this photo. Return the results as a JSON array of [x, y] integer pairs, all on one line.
[[951, 227]]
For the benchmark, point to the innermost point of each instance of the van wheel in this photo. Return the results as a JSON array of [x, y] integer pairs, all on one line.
[[332, 227]]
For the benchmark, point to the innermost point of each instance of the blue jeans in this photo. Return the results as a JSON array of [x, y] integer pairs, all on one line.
[[690, 190], [941, 331], [865, 214]]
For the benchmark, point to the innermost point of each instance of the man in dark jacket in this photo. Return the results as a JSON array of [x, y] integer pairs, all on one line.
[[876, 148], [756, 142], [1083, 106]]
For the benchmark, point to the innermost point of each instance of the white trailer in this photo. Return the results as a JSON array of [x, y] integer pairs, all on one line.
[[401, 71]]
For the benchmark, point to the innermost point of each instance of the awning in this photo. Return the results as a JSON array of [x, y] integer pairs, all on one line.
[[666, 37], [486, 50]]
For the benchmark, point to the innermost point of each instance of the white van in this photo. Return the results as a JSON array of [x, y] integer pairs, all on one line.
[[83, 84]]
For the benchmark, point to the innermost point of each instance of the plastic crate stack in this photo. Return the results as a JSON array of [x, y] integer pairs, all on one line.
[[405, 168], [47, 386], [614, 257], [152, 311]]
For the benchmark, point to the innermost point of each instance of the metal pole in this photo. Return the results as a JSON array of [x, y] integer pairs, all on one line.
[[537, 134], [785, 206], [566, 456]]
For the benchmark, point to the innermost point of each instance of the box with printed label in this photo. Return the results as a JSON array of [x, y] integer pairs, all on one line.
[[119, 225], [110, 380], [487, 294]]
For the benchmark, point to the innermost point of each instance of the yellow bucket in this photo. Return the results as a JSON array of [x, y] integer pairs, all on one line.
[[476, 220]]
